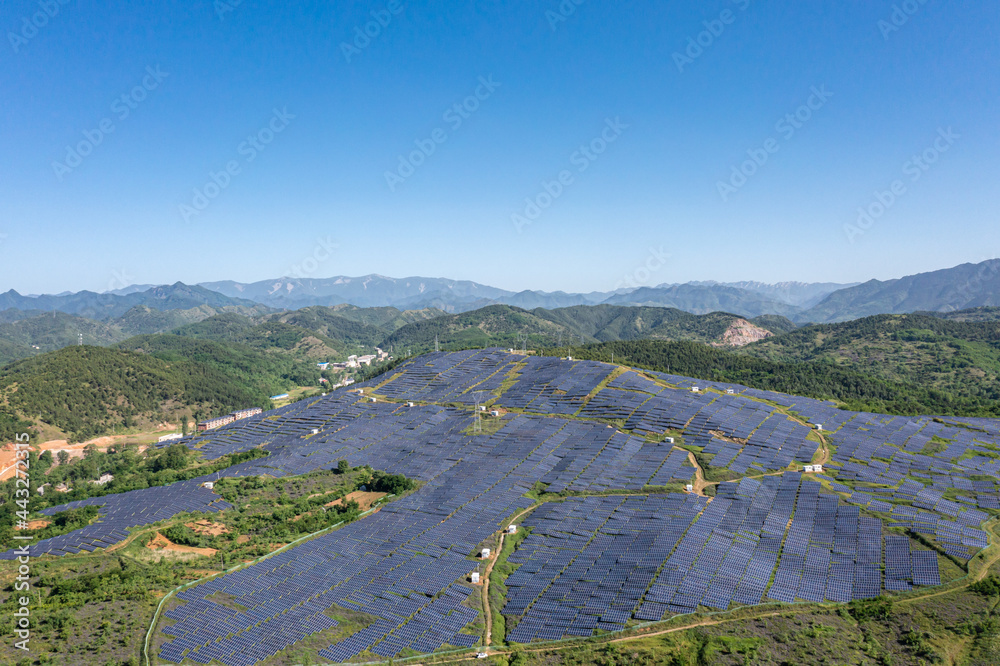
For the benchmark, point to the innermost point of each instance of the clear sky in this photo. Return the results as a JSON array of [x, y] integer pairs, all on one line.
[[312, 117]]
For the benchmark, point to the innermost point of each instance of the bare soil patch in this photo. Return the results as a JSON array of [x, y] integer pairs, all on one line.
[[364, 499], [208, 527], [164, 546]]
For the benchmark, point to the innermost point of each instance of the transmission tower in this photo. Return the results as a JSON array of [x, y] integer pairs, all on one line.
[[478, 425], [437, 347], [79, 342]]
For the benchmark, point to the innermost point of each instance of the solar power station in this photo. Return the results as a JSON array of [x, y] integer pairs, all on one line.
[[591, 560]]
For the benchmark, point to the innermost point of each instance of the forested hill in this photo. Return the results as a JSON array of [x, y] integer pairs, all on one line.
[[828, 381], [87, 391], [508, 326], [961, 358]]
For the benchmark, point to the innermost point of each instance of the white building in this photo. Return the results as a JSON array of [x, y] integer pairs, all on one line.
[[474, 577], [512, 529], [167, 438], [485, 553]]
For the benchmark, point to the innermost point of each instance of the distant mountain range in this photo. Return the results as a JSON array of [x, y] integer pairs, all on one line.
[[960, 288], [101, 307], [747, 299], [950, 290]]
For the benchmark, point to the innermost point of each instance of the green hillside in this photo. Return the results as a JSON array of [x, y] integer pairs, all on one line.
[[25, 334], [971, 314], [332, 325], [385, 318], [956, 357], [611, 322], [87, 391], [828, 381], [496, 325], [274, 336], [55, 330], [144, 320], [263, 373], [506, 325]]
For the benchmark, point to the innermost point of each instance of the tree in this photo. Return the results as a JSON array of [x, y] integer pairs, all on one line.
[[63, 457], [394, 484], [184, 425], [175, 457], [343, 467], [45, 460]]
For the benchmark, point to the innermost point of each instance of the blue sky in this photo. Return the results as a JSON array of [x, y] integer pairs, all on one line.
[[663, 121]]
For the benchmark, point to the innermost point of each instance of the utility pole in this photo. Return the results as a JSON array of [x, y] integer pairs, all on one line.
[[478, 425], [437, 347]]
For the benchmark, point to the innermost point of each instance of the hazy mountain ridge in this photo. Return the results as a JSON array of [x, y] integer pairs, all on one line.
[[102, 307], [38, 332], [705, 299], [959, 288], [799, 294]]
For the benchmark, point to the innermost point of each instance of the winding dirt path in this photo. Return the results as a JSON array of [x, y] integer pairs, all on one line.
[[487, 611], [699, 476]]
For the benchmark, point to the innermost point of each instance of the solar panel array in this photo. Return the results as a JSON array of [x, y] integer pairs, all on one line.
[[117, 514], [588, 563]]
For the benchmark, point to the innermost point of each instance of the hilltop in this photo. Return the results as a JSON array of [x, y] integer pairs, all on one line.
[[82, 392], [509, 326], [959, 358]]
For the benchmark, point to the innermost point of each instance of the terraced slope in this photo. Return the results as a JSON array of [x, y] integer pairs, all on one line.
[[594, 459]]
